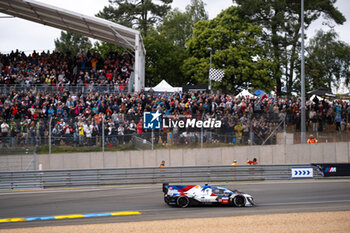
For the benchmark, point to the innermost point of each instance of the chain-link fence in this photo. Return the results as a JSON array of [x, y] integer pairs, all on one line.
[[56, 135], [60, 135], [78, 89]]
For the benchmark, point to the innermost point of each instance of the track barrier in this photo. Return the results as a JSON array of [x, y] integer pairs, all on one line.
[[20, 180]]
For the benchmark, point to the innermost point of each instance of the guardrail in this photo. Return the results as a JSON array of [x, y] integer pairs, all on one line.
[[123, 176]]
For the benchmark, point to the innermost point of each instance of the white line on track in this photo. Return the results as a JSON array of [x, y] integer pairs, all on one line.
[[159, 185], [289, 182], [271, 204], [304, 203], [68, 190], [49, 191]]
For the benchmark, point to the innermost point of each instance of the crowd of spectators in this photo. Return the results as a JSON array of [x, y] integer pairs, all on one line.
[[78, 118], [60, 70]]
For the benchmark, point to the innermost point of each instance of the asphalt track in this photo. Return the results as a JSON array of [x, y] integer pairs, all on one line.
[[270, 197]]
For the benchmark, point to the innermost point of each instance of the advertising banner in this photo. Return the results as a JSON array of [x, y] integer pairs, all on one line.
[[302, 172], [151, 120], [333, 169]]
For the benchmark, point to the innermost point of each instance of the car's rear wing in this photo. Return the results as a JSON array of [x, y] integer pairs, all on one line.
[[165, 188]]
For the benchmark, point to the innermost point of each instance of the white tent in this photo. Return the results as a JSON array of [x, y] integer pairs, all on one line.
[[245, 93], [164, 86], [313, 97]]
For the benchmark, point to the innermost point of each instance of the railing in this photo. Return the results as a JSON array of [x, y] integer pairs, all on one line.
[[24, 144], [152, 175], [81, 89], [18, 141]]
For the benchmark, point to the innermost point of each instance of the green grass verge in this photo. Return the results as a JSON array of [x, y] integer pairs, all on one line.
[[63, 149], [81, 149]]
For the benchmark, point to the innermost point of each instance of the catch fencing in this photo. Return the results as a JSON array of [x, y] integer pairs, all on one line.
[[55, 134], [78, 89], [126, 176]]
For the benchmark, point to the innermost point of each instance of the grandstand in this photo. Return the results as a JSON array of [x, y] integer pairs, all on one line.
[[81, 119], [85, 25], [57, 72]]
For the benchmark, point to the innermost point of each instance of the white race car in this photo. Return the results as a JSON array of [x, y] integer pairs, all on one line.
[[185, 195]]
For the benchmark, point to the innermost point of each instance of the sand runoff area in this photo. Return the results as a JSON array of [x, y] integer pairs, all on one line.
[[294, 222]]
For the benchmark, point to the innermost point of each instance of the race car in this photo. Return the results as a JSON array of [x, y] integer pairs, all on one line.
[[186, 195]]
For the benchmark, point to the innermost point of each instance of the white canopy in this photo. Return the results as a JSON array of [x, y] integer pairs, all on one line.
[[313, 97], [164, 86], [82, 24], [245, 93]]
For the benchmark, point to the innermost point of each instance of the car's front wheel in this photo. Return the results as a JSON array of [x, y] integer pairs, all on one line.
[[183, 202], [239, 201]]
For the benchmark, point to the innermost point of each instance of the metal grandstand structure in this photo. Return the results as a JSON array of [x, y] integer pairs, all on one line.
[[93, 27]]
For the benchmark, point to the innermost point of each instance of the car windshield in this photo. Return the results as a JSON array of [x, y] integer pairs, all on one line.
[[218, 191], [225, 190]]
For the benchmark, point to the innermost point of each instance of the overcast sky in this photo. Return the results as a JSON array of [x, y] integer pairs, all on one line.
[[28, 36]]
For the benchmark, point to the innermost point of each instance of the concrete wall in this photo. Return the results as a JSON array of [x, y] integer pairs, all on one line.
[[269, 154]]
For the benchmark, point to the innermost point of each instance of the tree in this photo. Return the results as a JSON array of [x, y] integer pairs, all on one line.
[[178, 26], [234, 42], [72, 43], [196, 11], [166, 45], [281, 23], [164, 60], [104, 48], [139, 14], [327, 62]]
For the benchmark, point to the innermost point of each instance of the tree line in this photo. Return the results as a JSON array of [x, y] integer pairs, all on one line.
[[256, 42]]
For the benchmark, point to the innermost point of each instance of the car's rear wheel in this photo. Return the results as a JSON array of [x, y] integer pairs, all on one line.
[[239, 201], [166, 200], [183, 201]]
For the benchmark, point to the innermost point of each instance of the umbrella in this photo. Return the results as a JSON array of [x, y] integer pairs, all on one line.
[[322, 92], [259, 93]]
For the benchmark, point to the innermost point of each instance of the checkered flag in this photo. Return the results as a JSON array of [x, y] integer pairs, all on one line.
[[216, 75]]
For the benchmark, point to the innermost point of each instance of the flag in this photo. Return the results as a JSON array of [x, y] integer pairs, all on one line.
[[216, 75]]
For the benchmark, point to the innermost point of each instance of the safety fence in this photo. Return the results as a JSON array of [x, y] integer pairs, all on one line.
[[77, 89], [127, 176], [57, 134]]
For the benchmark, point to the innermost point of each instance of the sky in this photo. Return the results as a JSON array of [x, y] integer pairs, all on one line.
[[28, 36]]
